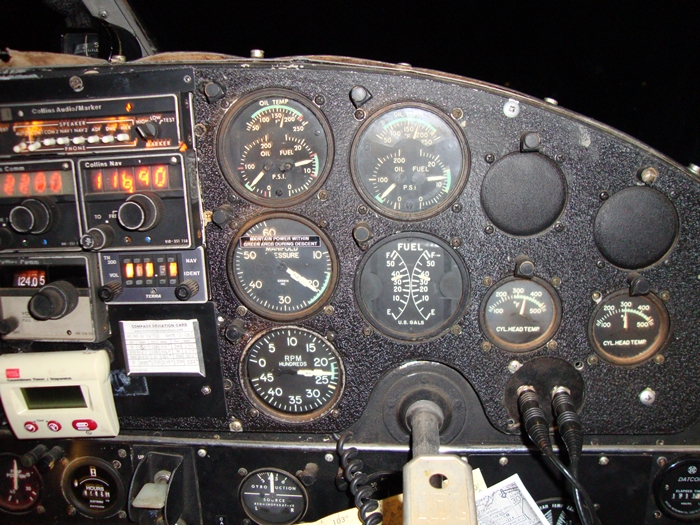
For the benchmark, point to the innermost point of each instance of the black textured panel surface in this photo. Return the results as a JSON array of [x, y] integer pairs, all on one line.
[[636, 227], [523, 193]]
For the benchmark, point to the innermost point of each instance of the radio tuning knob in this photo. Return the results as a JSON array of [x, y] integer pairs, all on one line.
[[186, 290], [148, 130], [53, 301], [141, 212], [97, 238], [32, 216], [8, 325], [110, 291], [5, 238]]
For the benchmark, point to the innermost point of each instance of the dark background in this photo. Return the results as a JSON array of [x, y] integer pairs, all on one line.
[[632, 65]]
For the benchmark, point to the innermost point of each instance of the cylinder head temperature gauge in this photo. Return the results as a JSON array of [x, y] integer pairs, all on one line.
[[292, 373], [409, 161], [20, 487], [275, 147], [282, 266], [519, 315], [273, 497], [626, 330]]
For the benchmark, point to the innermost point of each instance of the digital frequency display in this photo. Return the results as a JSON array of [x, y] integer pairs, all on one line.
[[29, 278], [128, 179], [36, 183]]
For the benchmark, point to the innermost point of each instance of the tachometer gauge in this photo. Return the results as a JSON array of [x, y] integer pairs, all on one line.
[[519, 315], [292, 373], [275, 147], [282, 266], [412, 286], [20, 487], [626, 330], [409, 162], [273, 497]]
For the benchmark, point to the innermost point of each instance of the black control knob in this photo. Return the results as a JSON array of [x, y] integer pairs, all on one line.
[[97, 238], [6, 238], [32, 216], [186, 290], [148, 130], [110, 291], [141, 212], [8, 325], [48, 460], [32, 457], [53, 301]]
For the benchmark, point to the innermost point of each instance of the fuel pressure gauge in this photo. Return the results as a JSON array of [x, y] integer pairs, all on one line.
[[20, 487], [626, 330]]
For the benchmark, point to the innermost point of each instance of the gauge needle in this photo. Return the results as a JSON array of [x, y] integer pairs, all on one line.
[[303, 162], [313, 373], [272, 483], [388, 191], [301, 279], [435, 178], [522, 308], [625, 321], [15, 476], [257, 179], [423, 277]]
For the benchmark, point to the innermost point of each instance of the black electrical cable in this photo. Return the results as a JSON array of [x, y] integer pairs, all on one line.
[[537, 428]]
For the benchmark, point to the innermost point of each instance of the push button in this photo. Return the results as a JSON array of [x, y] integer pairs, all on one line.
[[84, 425]]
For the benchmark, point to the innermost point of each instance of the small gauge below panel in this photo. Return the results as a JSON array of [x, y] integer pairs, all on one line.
[[20, 487], [412, 286], [273, 497], [559, 512], [519, 315], [627, 330], [677, 490], [292, 373], [93, 487], [282, 266], [409, 161], [275, 148]]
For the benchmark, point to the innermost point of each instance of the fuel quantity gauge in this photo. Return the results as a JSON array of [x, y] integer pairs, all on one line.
[[626, 330], [20, 487]]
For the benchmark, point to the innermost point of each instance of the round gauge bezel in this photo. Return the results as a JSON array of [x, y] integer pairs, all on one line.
[[454, 193], [80, 506], [564, 506], [658, 487], [281, 415], [662, 338], [255, 307], [258, 519], [229, 166], [444, 327], [39, 494], [532, 345]]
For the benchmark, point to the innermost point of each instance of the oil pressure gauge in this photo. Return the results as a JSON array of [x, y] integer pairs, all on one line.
[[519, 315], [626, 330]]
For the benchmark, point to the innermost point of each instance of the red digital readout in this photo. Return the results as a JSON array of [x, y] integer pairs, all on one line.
[[29, 278], [128, 179], [36, 183]]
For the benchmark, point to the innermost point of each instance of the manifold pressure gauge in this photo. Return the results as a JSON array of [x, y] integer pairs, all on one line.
[[271, 496], [292, 373], [282, 266], [519, 315], [626, 330], [275, 148], [409, 161]]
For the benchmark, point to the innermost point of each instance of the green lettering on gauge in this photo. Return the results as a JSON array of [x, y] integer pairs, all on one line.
[[412, 286], [626, 330], [519, 315], [409, 161], [282, 266], [292, 373], [275, 147]]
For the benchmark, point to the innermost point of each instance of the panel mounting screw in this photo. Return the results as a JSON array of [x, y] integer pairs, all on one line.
[[253, 412], [202, 453], [456, 242], [694, 168], [600, 264], [649, 175], [104, 14], [647, 397], [328, 310], [121, 453], [665, 296], [603, 460], [366, 331], [489, 229], [457, 113], [514, 366], [592, 360], [121, 515], [456, 208], [206, 390], [596, 296], [487, 281], [661, 461], [76, 84], [659, 359], [242, 472], [359, 114], [330, 335], [235, 426], [456, 329], [511, 109], [362, 209], [319, 100], [552, 345], [322, 195], [490, 158], [257, 53], [228, 384], [559, 227], [485, 346], [657, 514], [604, 195], [335, 413], [241, 311], [503, 461], [556, 282], [329, 458]]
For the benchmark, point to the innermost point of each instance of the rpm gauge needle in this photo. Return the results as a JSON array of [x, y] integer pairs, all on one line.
[[302, 280], [314, 373]]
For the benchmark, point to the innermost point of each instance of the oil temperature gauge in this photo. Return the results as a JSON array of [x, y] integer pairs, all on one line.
[[519, 315], [626, 330], [20, 487], [273, 497]]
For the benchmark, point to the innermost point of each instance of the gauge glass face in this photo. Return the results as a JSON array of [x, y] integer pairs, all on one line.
[[282, 267], [293, 373], [20, 487], [677, 490], [409, 162], [273, 497], [519, 315], [275, 148], [559, 512], [627, 330], [412, 286], [93, 487]]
